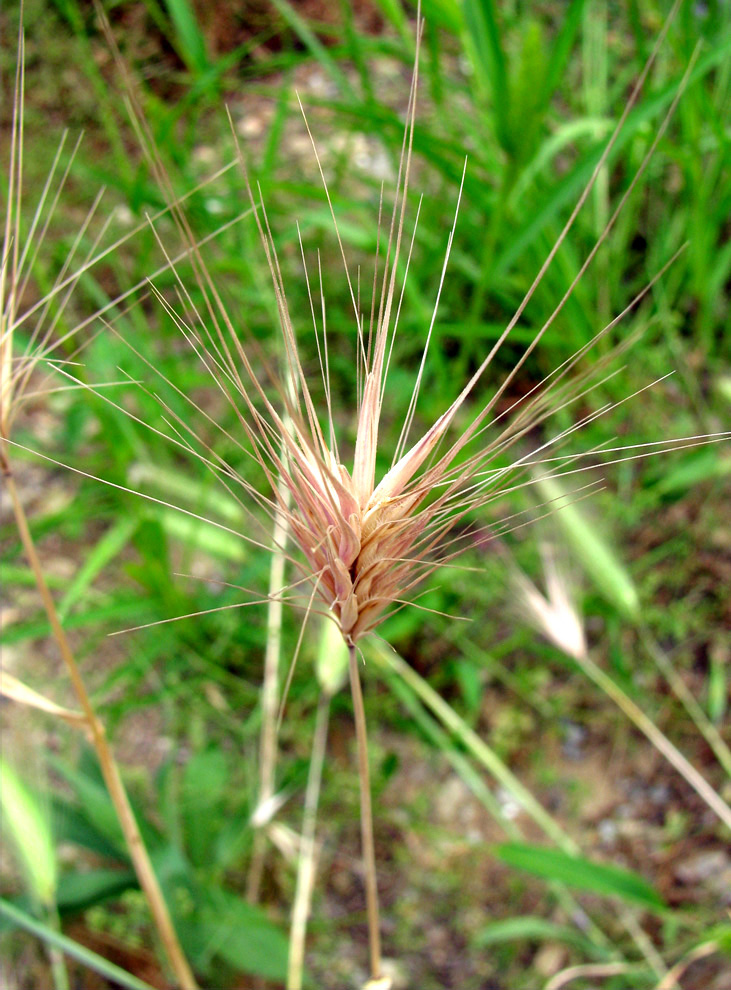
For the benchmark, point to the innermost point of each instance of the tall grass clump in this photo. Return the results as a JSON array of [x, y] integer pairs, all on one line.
[[354, 497]]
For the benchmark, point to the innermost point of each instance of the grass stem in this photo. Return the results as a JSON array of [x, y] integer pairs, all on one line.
[[587, 970], [110, 771], [269, 696], [658, 739], [478, 748], [366, 818], [306, 864], [704, 725], [59, 973], [486, 757]]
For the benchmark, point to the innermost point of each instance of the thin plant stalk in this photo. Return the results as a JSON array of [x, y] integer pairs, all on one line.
[[306, 864], [59, 973], [631, 921], [486, 756], [112, 973], [704, 725], [588, 970], [270, 692], [700, 952], [366, 817], [110, 771], [472, 779], [558, 620], [270, 686], [495, 766], [658, 739]]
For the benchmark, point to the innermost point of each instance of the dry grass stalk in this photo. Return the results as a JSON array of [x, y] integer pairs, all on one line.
[[270, 693], [15, 375], [557, 618], [586, 971], [307, 857]]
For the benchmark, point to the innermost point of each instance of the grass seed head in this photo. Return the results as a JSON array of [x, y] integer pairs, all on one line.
[[367, 542], [554, 614], [38, 321]]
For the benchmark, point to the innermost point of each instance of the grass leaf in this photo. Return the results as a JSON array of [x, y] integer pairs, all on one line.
[[108, 547], [78, 891], [594, 553], [575, 871], [533, 929], [27, 825], [191, 43]]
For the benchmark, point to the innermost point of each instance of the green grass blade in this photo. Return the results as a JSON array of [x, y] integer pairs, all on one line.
[[483, 34], [461, 765], [79, 891], [694, 469], [72, 11], [535, 929], [394, 12], [445, 13], [565, 192], [479, 749], [191, 43], [26, 824], [593, 552], [275, 133], [85, 956], [108, 547], [561, 48], [95, 803], [576, 871], [308, 38], [125, 609]]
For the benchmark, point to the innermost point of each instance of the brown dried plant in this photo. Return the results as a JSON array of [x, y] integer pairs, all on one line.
[[40, 321]]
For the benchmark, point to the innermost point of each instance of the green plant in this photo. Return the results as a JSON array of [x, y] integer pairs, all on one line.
[[204, 837]]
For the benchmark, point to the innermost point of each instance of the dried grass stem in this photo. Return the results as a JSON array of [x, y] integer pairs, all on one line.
[[366, 817], [110, 771]]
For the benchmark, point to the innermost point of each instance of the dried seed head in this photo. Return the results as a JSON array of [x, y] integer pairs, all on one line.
[[368, 542], [23, 237], [359, 540], [554, 614]]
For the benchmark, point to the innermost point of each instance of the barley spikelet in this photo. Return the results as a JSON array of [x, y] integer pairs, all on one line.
[[367, 542]]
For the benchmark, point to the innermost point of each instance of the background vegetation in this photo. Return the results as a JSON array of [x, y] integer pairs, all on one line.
[[530, 93]]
